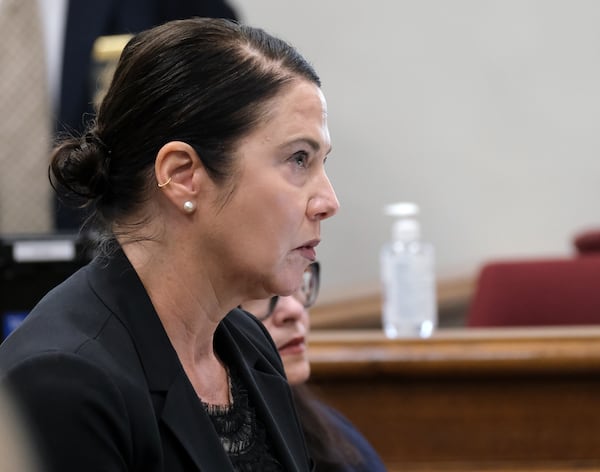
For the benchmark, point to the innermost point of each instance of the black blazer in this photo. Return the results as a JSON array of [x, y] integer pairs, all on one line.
[[86, 20], [103, 389]]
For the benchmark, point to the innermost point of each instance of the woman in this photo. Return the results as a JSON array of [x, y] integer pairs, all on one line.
[[333, 442], [205, 170]]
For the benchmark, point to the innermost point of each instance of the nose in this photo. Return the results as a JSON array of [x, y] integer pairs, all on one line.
[[288, 309], [325, 204]]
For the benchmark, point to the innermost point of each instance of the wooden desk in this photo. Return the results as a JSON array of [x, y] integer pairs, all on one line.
[[468, 399]]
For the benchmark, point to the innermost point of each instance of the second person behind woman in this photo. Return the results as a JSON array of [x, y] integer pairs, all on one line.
[[333, 441]]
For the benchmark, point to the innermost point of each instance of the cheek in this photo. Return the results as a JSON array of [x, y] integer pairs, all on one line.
[[297, 370], [268, 221], [268, 324], [305, 320]]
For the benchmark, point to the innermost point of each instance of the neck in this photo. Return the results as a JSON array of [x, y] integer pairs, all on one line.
[[189, 312]]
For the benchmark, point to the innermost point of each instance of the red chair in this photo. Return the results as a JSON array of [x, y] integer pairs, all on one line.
[[537, 292], [587, 242]]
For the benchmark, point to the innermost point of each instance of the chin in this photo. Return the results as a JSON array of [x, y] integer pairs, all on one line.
[[298, 373], [292, 280]]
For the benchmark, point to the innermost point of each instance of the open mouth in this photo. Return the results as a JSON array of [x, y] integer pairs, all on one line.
[[308, 252]]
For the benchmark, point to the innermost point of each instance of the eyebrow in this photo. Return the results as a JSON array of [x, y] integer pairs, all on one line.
[[311, 142]]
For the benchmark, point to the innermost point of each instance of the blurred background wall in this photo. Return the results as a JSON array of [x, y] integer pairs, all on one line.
[[484, 112]]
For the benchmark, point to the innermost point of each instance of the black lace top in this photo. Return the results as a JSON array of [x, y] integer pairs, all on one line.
[[243, 435]]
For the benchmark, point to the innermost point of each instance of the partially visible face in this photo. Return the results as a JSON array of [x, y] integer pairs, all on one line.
[[289, 326], [266, 233]]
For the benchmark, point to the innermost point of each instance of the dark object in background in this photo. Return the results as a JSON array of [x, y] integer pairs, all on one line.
[[587, 242], [30, 266]]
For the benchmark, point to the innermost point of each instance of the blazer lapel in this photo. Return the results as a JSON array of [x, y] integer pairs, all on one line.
[[269, 392], [175, 402], [185, 417], [277, 410]]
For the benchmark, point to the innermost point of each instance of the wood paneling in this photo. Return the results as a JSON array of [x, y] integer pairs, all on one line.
[[468, 399]]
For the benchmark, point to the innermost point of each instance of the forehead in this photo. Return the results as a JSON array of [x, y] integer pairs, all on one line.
[[298, 112]]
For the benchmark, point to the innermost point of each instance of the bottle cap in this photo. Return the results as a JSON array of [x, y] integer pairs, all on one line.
[[401, 209], [405, 228]]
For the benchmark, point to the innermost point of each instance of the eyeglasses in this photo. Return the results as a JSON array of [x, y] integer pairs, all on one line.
[[306, 295]]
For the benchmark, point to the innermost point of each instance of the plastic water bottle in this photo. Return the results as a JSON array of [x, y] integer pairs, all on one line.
[[408, 277]]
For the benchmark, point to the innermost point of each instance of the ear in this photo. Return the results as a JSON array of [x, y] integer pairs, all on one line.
[[178, 171]]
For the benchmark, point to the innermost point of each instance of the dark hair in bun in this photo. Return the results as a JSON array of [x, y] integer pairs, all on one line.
[[80, 166]]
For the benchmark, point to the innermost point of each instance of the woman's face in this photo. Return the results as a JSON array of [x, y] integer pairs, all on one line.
[[266, 233], [289, 326]]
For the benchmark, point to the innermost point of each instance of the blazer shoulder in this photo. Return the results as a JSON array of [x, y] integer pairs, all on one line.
[[105, 411], [247, 329], [65, 319]]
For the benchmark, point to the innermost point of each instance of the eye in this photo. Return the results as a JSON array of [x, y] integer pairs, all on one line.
[[301, 159]]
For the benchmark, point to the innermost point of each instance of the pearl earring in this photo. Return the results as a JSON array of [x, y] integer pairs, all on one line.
[[189, 206]]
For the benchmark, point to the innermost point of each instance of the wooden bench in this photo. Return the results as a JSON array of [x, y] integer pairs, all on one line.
[[468, 399]]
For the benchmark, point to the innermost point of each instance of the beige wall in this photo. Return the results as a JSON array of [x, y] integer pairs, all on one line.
[[486, 113]]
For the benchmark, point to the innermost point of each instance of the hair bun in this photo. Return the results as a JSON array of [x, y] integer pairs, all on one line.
[[80, 167], [92, 138]]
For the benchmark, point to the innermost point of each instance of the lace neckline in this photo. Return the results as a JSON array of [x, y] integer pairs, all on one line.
[[242, 434]]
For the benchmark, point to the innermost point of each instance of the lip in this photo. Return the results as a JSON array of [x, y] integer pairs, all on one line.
[[295, 345], [308, 249]]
